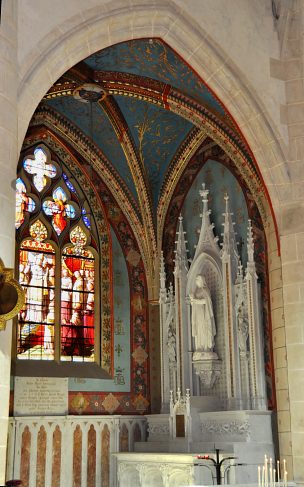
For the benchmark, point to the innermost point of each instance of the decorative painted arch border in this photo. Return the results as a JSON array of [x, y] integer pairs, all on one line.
[[137, 170], [211, 150], [108, 212], [64, 130]]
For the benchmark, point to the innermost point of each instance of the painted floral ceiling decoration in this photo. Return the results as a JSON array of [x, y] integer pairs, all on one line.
[[154, 113]]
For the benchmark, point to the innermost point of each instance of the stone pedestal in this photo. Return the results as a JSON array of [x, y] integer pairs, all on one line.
[[208, 367]]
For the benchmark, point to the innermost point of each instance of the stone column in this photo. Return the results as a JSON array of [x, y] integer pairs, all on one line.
[[293, 242], [288, 340], [8, 160], [154, 347]]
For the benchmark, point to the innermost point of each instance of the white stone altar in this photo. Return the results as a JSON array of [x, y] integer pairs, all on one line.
[[213, 374]]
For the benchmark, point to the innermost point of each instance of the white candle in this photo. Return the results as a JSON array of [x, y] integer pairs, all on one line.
[[259, 475], [285, 478], [266, 471], [278, 470], [270, 472], [263, 476], [274, 477]]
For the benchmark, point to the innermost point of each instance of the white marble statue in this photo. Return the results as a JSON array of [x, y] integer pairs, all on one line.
[[203, 325], [242, 324], [171, 346]]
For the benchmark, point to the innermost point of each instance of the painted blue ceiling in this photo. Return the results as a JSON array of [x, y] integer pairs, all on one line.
[[103, 133], [158, 134], [155, 59]]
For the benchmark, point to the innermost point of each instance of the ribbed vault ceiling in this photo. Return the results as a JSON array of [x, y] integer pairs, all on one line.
[[154, 112]]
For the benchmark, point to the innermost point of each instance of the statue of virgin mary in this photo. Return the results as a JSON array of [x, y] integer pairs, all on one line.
[[203, 325]]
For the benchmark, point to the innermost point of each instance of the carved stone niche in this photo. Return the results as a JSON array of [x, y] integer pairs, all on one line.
[[12, 296], [208, 367]]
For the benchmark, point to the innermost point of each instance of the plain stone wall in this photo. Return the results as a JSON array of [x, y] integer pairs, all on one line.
[[290, 339], [256, 69], [8, 158]]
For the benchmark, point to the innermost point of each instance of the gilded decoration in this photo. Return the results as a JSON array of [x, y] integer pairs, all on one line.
[[12, 295], [140, 403], [79, 403], [110, 403], [136, 165], [140, 355]]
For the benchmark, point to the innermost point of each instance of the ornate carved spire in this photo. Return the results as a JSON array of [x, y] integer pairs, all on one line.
[[250, 250], [181, 260], [207, 241], [229, 247]]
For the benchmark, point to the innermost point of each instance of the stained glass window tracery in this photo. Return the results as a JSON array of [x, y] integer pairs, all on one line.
[[40, 169], [59, 279]]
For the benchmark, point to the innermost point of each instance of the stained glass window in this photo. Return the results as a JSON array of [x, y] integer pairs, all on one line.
[[37, 276], [77, 300], [57, 320]]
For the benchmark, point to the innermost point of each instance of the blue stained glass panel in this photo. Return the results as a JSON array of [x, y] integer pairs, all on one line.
[[85, 218], [70, 211], [68, 183]]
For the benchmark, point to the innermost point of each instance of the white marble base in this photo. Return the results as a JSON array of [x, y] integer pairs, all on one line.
[[168, 470], [245, 435]]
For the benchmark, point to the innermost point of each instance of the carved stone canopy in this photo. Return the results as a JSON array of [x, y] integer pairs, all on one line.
[[12, 295]]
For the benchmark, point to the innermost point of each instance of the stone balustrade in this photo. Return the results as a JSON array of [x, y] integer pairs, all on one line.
[[69, 451]]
